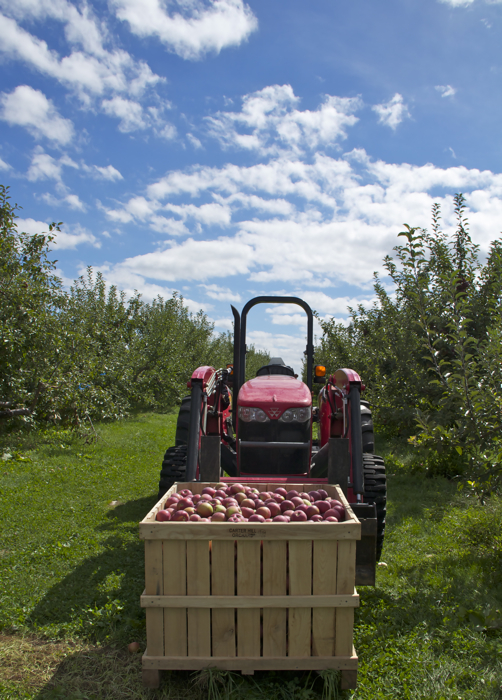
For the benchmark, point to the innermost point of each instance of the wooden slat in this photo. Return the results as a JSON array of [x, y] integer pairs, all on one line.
[[248, 583], [223, 585], [249, 531], [175, 584], [324, 582], [280, 663], [226, 602], [300, 585], [154, 586], [199, 620], [274, 584], [345, 580]]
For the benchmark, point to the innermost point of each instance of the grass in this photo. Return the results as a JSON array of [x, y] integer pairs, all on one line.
[[71, 573]]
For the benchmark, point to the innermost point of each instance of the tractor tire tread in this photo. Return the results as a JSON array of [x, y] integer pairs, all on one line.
[[173, 468], [375, 491]]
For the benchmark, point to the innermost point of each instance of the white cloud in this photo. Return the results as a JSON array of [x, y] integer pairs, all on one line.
[[193, 260], [45, 167], [458, 3], [195, 29], [91, 69], [446, 90], [134, 117], [106, 173], [289, 347], [196, 143], [393, 112], [333, 208], [276, 125], [71, 200], [142, 209], [129, 112], [32, 110], [226, 324], [221, 293], [167, 132], [67, 238], [4, 165]]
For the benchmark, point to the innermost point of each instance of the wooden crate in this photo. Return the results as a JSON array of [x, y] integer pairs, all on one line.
[[250, 596]]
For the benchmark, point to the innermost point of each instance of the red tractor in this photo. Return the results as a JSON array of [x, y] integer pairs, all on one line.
[[229, 430]]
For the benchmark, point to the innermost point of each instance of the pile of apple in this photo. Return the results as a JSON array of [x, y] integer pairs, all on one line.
[[235, 503]]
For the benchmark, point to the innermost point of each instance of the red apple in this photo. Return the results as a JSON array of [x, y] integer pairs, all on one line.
[[185, 493], [247, 512], [299, 517], [195, 518], [274, 508], [218, 517], [330, 513], [281, 519], [323, 494], [180, 516], [291, 494], [282, 492], [288, 513], [229, 501], [248, 503], [322, 505], [287, 505], [256, 518], [315, 496], [163, 516], [317, 519], [264, 511], [331, 519]]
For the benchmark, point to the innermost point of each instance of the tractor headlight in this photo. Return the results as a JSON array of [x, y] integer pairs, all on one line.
[[296, 415], [248, 414]]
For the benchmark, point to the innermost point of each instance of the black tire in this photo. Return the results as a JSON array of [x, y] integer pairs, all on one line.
[[375, 491], [173, 468], [367, 428], [183, 422]]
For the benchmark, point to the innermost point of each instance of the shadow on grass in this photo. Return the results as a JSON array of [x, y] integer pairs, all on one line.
[[99, 599], [114, 674]]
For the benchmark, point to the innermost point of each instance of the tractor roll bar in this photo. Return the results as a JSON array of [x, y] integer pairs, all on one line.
[[237, 354], [240, 338]]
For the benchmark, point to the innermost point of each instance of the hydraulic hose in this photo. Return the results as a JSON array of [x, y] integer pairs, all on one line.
[[193, 431], [356, 439]]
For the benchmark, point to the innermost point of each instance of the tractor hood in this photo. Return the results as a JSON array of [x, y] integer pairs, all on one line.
[[274, 394]]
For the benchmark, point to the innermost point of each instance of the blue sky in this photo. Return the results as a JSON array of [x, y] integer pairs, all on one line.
[[226, 149]]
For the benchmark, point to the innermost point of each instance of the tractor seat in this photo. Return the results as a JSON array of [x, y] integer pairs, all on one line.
[[275, 366]]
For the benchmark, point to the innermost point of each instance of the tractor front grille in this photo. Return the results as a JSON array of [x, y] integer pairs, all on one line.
[[275, 454]]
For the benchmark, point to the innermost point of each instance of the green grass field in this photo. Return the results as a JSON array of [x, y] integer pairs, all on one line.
[[71, 573]]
